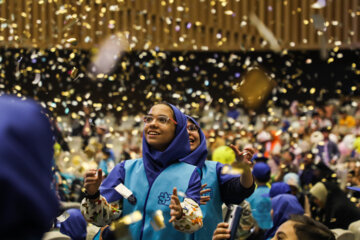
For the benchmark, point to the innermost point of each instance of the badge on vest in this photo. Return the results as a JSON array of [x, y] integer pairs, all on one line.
[[126, 193]]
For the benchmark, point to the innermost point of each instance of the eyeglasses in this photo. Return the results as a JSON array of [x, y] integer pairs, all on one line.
[[192, 128], [160, 119]]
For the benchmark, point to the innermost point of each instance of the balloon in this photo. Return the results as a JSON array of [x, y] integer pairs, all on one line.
[[357, 144], [224, 155]]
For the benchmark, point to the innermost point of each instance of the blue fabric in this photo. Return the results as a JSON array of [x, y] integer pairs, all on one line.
[[283, 205], [354, 188], [223, 178], [155, 161], [278, 188], [333, 150], [212, 211], [26, 152], [261, 207], [261, 171], [75, 225], [155, 197], [194, 187], [285, 125], [117, 176], [198, 156], [233, 113]]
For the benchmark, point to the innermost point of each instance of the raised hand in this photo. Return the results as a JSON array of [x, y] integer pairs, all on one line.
[[204, 199], [175, 207], [92, 181], [243, 160], [244, 156]]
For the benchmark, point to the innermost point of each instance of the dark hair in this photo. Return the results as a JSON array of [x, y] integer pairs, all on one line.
[[106, 151], [309, 229]]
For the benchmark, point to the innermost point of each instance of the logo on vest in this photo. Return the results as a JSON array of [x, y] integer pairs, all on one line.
[[164, 198]]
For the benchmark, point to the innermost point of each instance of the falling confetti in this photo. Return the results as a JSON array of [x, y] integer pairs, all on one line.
[[120, 227], [319, 4], [265, 33], [37, 79], [157, 221], [108, 54]]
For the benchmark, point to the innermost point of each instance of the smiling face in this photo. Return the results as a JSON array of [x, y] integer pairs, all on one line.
[[194, 136], [286, 232], [158, 134]]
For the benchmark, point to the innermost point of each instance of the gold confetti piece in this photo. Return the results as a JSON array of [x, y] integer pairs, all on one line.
[[74, 72], [62, 10], [149, 95], [157, 221], [71, 23], [72, 41], [120, 227], [254, 88]]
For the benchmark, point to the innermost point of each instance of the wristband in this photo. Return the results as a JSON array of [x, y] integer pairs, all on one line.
[[92, 197]]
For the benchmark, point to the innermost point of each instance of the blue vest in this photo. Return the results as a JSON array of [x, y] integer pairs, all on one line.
[[212, 211], [156, 197]]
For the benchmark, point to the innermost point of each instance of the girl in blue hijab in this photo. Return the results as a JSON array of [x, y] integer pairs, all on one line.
[[283, 206], [151, 183], [219, 188]]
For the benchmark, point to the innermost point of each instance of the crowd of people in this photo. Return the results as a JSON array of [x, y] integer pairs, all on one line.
[[291, 171]]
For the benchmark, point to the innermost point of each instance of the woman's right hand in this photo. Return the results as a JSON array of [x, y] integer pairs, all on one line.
[[92, 181]]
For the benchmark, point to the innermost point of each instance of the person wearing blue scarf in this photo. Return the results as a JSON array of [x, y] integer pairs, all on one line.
[[28, 205], [219, 188], [151, 182], [283, 206]]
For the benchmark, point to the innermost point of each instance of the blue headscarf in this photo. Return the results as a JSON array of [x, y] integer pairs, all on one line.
[[198, 156], [283, 205], [75, 225], [155, 161], [26, 151]]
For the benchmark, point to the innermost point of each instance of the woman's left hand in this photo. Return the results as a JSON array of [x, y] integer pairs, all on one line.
[[175, 207], [244, 156]]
